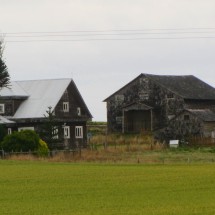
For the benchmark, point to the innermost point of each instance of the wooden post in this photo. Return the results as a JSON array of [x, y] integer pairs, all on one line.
[[123, 121], [151, 120]]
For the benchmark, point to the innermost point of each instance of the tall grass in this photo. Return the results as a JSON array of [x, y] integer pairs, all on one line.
[[117, 148], [139, 142]]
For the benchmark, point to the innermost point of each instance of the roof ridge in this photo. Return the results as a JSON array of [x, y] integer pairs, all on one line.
[[46, 79]]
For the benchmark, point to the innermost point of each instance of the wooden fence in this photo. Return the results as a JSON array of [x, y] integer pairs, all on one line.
[[53, 153]]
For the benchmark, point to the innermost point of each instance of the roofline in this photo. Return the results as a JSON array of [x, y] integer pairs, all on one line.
[[105, 100], [192, 113], [148, 75], [82, 99], [14, 97], [46, 79]]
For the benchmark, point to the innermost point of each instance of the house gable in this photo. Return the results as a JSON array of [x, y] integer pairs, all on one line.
[[77, 109], [62, 95]]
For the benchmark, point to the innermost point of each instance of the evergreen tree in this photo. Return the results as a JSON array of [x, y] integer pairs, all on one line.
[[4, 75], [50, 131]]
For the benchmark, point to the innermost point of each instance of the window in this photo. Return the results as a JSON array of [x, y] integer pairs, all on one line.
[[66, 132], [170, 95], [1, 108], [143, 96], [186, 117], [26, 128], [79, 132], [55, 132], [9, 131], [65, 106], [79, 111]]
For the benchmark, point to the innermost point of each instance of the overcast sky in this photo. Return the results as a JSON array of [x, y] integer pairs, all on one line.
[[104, 44]]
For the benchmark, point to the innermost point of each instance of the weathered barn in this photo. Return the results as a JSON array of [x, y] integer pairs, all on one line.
[[24, 106], [151, 102]]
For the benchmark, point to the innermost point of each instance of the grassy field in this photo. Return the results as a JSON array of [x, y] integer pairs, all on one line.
[[41, 187]]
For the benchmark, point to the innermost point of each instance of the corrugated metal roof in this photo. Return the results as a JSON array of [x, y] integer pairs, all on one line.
[[14, 90], [4, 120], [42, 94]]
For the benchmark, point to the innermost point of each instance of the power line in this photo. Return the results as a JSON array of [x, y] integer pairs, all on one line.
[[110, 30], [112, 35], [110, 39]]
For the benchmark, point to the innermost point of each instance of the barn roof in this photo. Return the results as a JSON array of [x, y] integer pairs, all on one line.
[[186, 86], [136, 106], [205, 115]]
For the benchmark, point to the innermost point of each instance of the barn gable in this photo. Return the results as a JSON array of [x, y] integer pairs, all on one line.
[[165, 96]]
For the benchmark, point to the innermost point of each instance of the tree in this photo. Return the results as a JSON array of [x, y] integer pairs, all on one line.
[[50, 131], [4, 75], [3, 132]]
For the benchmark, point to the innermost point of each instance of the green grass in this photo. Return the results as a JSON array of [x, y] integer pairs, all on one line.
[[33, 187]]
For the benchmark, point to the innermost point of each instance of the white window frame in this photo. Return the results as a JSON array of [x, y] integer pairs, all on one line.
[[79, 111], [66, 130], [55, 132], [9, 131], [2, 108], [65, 106], [79, 132], [26, 128]]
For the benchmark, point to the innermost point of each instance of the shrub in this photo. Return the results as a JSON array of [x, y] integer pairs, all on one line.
[[3, 132], [43, 149], [25, 140]]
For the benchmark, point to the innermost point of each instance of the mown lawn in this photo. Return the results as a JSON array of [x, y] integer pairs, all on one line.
[[36, 187]]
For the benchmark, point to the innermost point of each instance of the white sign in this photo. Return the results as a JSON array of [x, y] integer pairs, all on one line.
[[173, 143]]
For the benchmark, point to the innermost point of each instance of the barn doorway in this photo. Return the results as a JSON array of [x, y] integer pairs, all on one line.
[[137, 118]]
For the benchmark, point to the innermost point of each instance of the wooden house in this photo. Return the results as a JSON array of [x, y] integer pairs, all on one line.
[[25, 103], [151, 102]]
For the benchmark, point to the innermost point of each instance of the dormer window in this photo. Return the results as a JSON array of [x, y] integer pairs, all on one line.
[[1, 108], [65, 106], [79, 111]]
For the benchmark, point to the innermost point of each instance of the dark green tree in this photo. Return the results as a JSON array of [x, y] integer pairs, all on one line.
[[4, 75], [50, 131], [3, 132], [20, 141]]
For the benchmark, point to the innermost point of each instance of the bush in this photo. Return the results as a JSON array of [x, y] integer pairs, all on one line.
[[43, 149], [24, 141], [3, 132]]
